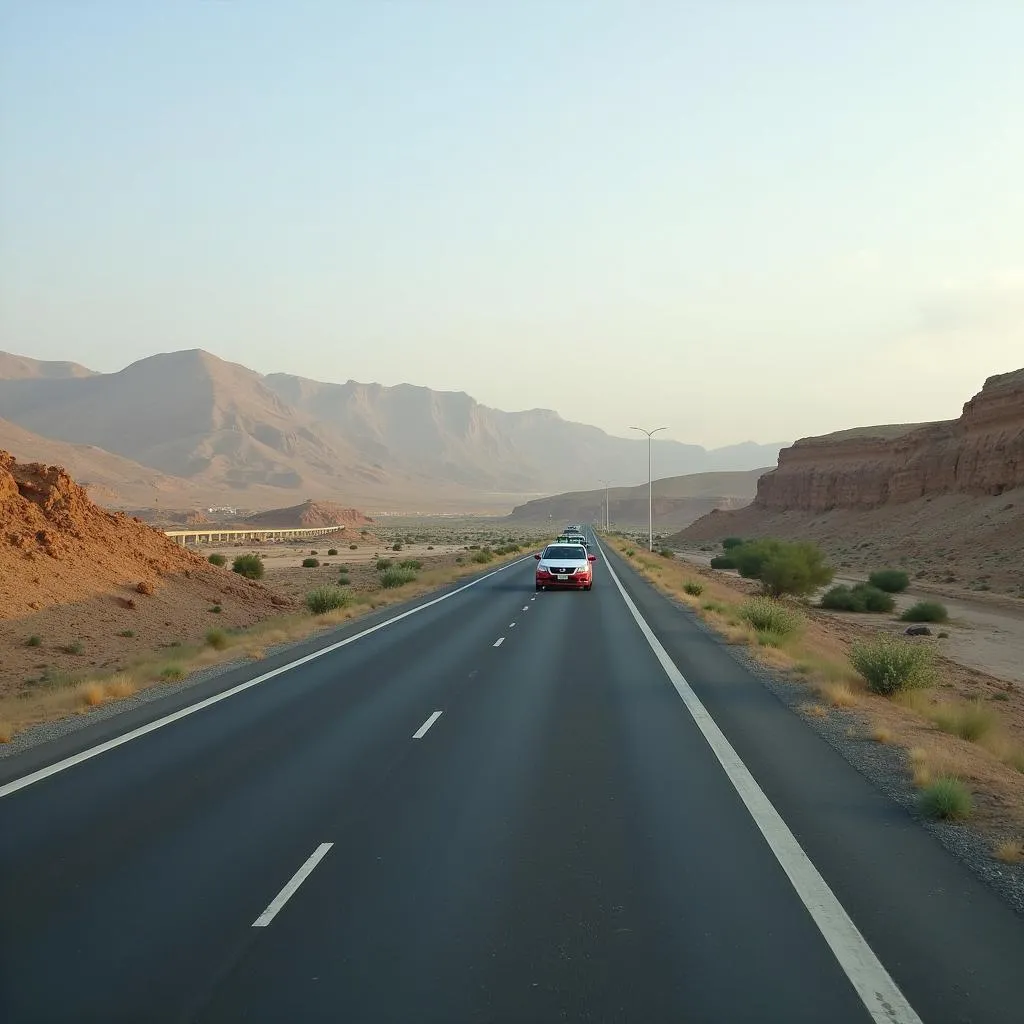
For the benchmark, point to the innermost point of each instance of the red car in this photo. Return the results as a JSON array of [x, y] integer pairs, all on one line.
[[565, 567]]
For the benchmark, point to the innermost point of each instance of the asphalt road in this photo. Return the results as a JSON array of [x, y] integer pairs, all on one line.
[[503, 807]]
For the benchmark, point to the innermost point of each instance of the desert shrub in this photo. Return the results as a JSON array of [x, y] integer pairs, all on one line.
[[926, 611], [216, 609], [459, 560], [344, 580], [332, 551], [217, 559], [890, 665], [731, 542], [249, 566], [781, 566], [217, 639], [713, 606], [946, 798], [172, 673], [968, 721], [353, 547], [410, 563], [862, 597], [483, 556], [430, 547], [310, 563], [34, 641], [693, 588], [396, 576], [397, 546], [383, 563], [769, 616], [892, 581], [630, 552], [127, 633], [666, 553], [73, 648], [723, 562], [325, 599]]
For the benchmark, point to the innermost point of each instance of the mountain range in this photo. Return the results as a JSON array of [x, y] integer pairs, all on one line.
[[217, 430]]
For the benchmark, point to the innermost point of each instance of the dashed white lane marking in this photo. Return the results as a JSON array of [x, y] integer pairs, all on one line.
[[511, 625], [288, 891], [499, 641], [142, 730], [882, 997], [526, 607], [422, 730]]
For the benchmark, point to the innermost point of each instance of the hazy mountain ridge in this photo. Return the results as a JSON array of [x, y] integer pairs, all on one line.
[[192, 415]]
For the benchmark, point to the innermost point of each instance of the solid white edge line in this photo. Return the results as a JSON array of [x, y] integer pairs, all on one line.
[[422, 730], [294, 882], [499, 641], [880, 994], [142, 730]]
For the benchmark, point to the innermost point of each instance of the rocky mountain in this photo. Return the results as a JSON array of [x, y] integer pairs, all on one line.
[[934, 494], [677, 501], [220, 425], [14, 367], [309, 514]]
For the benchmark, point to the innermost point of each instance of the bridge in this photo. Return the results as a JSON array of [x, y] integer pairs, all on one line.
[[208, 535]]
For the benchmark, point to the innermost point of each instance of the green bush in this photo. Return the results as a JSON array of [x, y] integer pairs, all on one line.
[[410, 563], [217, 639], [723, 562], [332, 551], [73, 648], [890, 665], [892, 581], [344, 580], [310, 563], [353, 547], [383, 563], [946, 798], [630, 552], [217, 559], [249, 566], [783, 567], [970, 721], [397, 546], [34, 641], [732, 542], [326, 599], [483, 556], [693, 588], [396, 576], [666, 553], [926, 611], [862, 597], [767, 615]]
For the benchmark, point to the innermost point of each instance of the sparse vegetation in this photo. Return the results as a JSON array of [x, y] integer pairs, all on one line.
[[767, 615], [353, 547], [344, 580], [310, 563], [397, 546], [1010, 851], [891, 665], [862, 597], [971, 721], [216, 609], [75, 647], [892, 581], [411, 563], [396, 576], [127, 633], [666, 553], [327, 599], [217, 559], [926, 611], [217, 639], [249, 566], [383, 564], [693, 588], [483, 556], [332, 551], [34, 641], [172, 673], [946, 798]]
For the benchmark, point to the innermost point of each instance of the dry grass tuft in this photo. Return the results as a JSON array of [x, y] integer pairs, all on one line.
[[120, 686], [93, 694], [881, 734], [920, 770], [838, 695], [6, 732], [815, 710], [1010, 851]]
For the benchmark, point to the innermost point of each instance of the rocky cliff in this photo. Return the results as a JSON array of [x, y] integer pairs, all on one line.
[[981, 453]]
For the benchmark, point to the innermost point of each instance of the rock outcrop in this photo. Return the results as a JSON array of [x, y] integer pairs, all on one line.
[[981, 453]]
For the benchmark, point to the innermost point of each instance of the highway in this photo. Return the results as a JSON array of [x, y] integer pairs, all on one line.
[[505, 806]]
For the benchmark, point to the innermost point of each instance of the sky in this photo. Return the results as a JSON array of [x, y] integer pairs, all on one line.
[[743, 220]]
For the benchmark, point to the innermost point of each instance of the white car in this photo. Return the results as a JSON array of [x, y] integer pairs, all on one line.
[[565, 567]]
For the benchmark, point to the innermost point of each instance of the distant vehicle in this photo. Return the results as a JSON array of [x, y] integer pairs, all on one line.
[[565, 567], [572, 538]]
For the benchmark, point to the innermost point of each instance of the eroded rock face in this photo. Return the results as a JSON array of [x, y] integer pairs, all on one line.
[[981, 452]]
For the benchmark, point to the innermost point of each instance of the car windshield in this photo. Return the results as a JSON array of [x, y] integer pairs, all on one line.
[[568, 551]]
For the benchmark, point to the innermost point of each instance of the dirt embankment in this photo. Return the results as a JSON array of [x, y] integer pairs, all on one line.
[[945, 500], [84, 588]]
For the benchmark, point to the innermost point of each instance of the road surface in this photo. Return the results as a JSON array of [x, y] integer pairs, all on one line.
[[506, 806]]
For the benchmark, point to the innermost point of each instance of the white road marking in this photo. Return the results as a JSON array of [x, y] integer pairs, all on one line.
[[422, 730], [142, 730], [288, 891], [526, 607], [880, 994], [499, 641], [511, 625]]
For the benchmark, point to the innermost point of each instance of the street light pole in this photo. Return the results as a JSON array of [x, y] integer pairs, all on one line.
[[650, 485], [607, 484]]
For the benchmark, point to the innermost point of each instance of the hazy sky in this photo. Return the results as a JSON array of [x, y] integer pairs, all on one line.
[[753, 220]]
